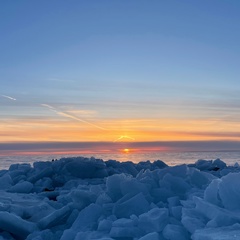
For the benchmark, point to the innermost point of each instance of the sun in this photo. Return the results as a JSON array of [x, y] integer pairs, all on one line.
[[126, 150]]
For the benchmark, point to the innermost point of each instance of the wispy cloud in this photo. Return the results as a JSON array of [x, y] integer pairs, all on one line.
[[123, 137], [64, 114], [8, 97]]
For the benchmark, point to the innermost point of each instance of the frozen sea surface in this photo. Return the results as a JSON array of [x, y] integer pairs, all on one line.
[[171, 158], [88, 198]]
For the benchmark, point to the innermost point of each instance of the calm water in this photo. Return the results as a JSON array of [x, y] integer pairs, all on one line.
[[171, 158]]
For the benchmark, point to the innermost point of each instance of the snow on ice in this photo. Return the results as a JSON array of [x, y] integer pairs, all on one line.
[[80, 198]]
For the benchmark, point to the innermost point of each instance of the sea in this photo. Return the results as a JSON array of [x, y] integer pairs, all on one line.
[[170, 158]]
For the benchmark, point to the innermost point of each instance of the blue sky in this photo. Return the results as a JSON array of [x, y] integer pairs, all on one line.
[[125, 61]]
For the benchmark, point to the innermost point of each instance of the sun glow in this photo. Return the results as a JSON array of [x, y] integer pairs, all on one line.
[[147, 130], [126, 150], [123, 137]]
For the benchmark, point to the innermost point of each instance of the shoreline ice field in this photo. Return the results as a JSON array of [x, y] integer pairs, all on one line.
[[86, 198]]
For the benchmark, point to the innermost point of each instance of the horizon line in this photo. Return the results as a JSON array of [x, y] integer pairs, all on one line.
[[118, 147]]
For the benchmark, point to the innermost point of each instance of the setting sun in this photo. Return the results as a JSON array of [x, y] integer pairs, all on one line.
[[126, 150]]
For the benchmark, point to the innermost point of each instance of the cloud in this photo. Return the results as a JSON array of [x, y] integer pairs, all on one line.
[[8, 97]]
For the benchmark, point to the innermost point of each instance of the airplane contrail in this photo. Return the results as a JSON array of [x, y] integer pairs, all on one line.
[[8, 97], [48, 106], [71, 116]]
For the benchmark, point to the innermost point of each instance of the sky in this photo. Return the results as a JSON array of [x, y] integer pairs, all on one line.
[[152, 75]]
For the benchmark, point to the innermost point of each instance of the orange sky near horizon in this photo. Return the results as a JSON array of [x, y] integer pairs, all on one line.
[[114, 130]]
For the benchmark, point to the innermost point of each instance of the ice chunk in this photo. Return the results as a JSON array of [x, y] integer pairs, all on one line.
[[6, 182], [21, 187], [173, 232], [176, 212], [173, 201], [44, 184], [90, 235], [16, 173], [154, 220], [218, 164], [72, 217], [193, 219], [124, 228], [159, 164], [176, 171], [146, 165], [224, 233], [103, 198], [2, 172], [132, 185], [19, 178], [217, 216], [86, 221], [38, 210], [87, 218], [82, 198], [39, 166], [124, 232], [113, 185], [105, 225], [200, 179], [161, 194], [106, 238], [192, 224], [150, 180], [129, 168], [129, 205], [85, 168], [203, 164], [16, 225], [211, 192], [177, 185], [54, 218], [68, 234], [229, 191], [23, 167], [47, 172], [41, 235], [236, 165], [124, 222], [150, 236], [114, 167], [6, 236]]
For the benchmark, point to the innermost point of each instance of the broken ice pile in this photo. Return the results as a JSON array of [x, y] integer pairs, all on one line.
[[80, 198]]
